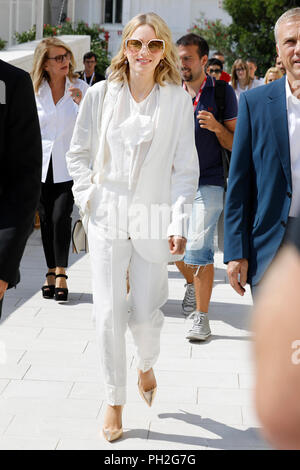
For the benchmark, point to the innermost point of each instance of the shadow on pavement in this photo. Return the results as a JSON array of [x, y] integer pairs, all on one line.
[[228, 437]]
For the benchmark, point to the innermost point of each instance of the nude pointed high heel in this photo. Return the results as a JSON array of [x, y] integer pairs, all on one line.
[[148, 396], [112, 435]]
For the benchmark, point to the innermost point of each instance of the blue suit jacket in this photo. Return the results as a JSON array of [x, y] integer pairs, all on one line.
[[260, 186]]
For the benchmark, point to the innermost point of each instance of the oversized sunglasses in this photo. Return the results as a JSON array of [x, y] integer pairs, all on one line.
[[153, 46], [60, 58], [240, 69]]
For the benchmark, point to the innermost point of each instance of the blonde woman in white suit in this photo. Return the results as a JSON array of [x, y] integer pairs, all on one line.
[[133, 154]]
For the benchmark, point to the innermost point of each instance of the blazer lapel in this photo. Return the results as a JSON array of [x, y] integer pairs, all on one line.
[[279, 123], [104, 116], [105, 112]]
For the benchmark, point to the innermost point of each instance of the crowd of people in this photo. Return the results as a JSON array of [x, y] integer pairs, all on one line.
[[144, 152]]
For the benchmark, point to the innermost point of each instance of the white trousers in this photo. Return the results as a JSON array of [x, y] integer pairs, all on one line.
[[110, 260]]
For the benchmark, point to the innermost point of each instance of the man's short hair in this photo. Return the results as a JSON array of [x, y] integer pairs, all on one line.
[[192, 39], [89, 55], [252, 60], [285, 17], [214, 61], [218, 53]]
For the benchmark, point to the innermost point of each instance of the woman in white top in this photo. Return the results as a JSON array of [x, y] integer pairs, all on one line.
[[134, 165], [58, 95], [240, 78]]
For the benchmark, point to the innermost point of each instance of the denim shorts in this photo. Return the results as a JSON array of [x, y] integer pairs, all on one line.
[[207, 208]]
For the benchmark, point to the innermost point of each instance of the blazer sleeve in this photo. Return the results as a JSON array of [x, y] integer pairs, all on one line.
[[22, 165], [79, 156], [185, 172], [238, 206]]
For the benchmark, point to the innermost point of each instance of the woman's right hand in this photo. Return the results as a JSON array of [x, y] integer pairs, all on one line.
[[177, 245]]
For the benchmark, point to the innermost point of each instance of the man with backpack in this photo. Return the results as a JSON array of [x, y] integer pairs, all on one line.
[[215, 108]]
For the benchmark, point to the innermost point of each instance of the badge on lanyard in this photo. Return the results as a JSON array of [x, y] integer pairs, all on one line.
[[197, 99]]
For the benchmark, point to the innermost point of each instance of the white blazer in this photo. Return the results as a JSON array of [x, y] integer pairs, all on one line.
[[169, 174]]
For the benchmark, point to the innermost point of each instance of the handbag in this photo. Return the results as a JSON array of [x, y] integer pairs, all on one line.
[[79, 238]]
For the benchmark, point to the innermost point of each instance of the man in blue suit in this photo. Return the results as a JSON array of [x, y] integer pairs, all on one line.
[[263, 196]]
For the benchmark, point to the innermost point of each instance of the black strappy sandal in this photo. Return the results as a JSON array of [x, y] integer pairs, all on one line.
[[61, 293], [48, 291]]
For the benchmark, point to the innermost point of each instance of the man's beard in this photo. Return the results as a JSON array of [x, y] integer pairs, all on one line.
[[187, 75]]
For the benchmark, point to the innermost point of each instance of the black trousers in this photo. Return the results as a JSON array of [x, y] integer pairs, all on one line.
[[55, 209]]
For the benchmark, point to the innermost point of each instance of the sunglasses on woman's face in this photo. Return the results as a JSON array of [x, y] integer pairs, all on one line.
[[60, 58], [153, 46], [240, 69]]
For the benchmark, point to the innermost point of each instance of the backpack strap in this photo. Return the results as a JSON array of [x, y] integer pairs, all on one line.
[[220, 94]]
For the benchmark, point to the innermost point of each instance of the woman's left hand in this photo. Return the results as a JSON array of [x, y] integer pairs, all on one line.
[[177, 245], [76, 94]]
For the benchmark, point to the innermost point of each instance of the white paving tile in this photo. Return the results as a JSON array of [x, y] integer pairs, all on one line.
[[10, 356], [67, 334], [3, 385], [132, 439], [64, 374], [247, 380], [42, 345], [224, 397], [196, 379], [28, 444], [50, 407], [5, 420], [12, 371], [37, 389], [54, 427], [249, 416], [60, 359]]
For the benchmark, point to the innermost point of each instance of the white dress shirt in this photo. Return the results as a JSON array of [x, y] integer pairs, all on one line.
[[57, 124], [293, 114], [129, 135]]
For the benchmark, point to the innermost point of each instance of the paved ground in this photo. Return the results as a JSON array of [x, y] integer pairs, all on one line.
[[51, 393]]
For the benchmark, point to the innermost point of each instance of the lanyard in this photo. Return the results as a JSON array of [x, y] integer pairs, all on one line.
[[91, 79], [197, 99]]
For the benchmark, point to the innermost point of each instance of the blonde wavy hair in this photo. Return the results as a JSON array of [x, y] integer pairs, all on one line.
[[274, 70], [234, 79], [167, 70], [38, 73]]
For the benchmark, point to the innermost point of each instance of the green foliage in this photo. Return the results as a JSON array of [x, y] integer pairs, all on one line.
[[217, 36], [98, 44], [26, 35], [252, 29], [2, 44], [251, 33]]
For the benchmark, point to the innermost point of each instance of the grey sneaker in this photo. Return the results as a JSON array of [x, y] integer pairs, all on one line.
[[189, 301], [200, 330]]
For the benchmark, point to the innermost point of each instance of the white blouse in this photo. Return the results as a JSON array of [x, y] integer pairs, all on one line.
[[240, 90], [57, 124], [129, 136]]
